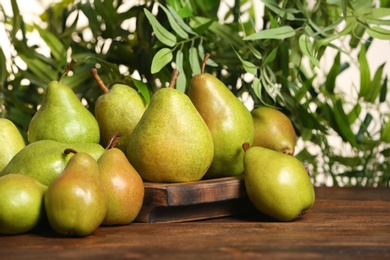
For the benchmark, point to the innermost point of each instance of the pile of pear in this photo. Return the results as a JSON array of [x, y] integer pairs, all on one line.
[[81, 170]]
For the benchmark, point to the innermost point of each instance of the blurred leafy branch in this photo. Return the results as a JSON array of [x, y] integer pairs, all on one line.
[[273, 59]]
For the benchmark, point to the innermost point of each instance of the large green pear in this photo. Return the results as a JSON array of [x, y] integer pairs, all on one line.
[[171, 142], [76, 202], [228, 120], [11, 141], [44, 160], [124, 187], [118, 110], [273, 130], [21, 203], [63, 118], [277, 184]]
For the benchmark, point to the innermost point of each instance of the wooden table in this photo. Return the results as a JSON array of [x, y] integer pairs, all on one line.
[[345, 222]]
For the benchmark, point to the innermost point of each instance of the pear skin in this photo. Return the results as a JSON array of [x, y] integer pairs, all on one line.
[[76, 202], [45, 160], [273, 130], [229, 121], [21, 203], [117, 110], [171, 142], [11, 141], [63, 118], [277, 184], [124, 188]]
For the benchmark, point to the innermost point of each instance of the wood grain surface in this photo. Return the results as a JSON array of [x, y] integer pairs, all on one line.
[[351, 223]]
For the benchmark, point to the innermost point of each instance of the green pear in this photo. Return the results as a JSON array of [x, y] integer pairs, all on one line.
[[63, 118], [171, 142], [21, 203], [277, 184], [273, 130], [76, 202], [228, 120], [11, 141], [124, 187], [44, 160], [118, 110]]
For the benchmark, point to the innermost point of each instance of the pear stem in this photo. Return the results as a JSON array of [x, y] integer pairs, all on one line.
[[112, 144], [206, 57], [245, 146], [99, 80], [172, 82], [70, 150], [67, 69]]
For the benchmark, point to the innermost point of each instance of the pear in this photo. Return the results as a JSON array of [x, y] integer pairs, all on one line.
[[11, 141], [123, 185], [273, 130], [63, 118], [118, 110], [228, 120], [171, 142], [76, 202], [44, 160], [21, 203], [277, 184]]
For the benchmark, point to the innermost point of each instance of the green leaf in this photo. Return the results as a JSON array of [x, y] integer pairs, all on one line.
[[162, 34], [279, 33], [271, 56], [385, 133], [341, 119], [194, 60], [209, 62], [379, 33], [143, 88], [181, 79], [306, 47], [277, 10], [383, 94], [160, 59], [180, 21], [55, 45], [332, 75], [172, 21], [375, 85], [3, 68], [365, 77], [248, 66], [39, 68]]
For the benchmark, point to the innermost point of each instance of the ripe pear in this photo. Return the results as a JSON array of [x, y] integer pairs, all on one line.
[[63, 118], [44, 160], [277, 184], [273, 130], [124, 187], [228, 120], [171, 142], [76, 202], [118, 110], [11, 141], [21, 203]]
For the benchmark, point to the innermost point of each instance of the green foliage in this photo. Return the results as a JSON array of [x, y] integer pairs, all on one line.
[[276, 59]]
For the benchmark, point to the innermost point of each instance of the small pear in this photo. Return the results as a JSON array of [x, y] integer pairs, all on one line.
[[44, 160], [21, 203], [118, 110], [228, 120], [63, 118], [76, 202], [171, 142], [11, 141], [273, 130], [277, 184], [124, 187]]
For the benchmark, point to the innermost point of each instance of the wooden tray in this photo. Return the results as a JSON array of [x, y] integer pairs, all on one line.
[[179, 202]]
